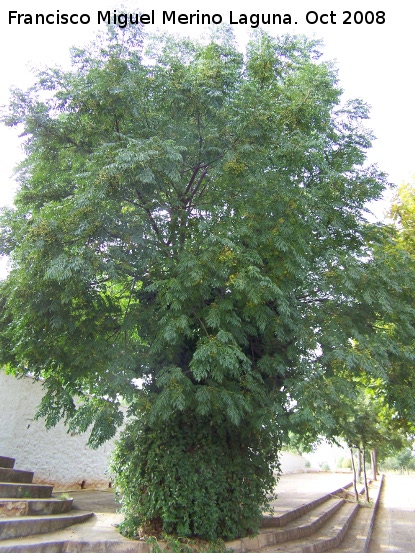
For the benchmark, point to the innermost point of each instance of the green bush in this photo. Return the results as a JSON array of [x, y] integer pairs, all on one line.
[[194, 477], [346, 463]]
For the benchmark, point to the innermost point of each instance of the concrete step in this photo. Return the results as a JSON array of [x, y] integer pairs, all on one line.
[[304, 526], [96, 535], [13, 475], [345, 529], [78, 547], [311, 527], [292, 514], [24, 491], [19, 527], [326, 538], [7, 462], [358, 537], [28, 511], [34, 507]]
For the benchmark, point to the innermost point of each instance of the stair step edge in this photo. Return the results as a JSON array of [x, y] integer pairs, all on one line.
[[24, 490], [334, 540], [7, 462], [72, 515], [20, 527], [326, 543], [360, 532], [10, 507], [21, 476], [304, 526], [293, 514], [76, 546]]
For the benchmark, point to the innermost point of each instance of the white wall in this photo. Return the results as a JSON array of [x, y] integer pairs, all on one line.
[[55, 456], [329, 454], [292, 463]]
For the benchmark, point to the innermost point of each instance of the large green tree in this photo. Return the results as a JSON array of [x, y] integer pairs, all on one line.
[[189, 237]]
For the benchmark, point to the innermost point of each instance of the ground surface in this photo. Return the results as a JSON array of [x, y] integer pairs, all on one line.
[[394, 530]]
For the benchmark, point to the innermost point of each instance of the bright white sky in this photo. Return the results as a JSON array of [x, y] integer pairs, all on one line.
[[375, 60]]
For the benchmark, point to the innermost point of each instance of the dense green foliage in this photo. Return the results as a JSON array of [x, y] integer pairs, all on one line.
[[194, 477], [193, 219]]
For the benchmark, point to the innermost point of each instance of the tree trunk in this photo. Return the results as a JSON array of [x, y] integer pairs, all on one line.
[[374, 463], [365, 476], [359, 464], [354, 476]]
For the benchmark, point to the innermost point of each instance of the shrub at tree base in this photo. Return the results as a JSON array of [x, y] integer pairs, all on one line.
[[194, 477]]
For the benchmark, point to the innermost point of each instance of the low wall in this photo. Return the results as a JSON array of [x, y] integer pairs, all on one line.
[[56, 457]]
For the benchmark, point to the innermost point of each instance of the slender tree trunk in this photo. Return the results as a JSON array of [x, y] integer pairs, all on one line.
[[359, 464], [374, 463], [365, 475], [354, 476]]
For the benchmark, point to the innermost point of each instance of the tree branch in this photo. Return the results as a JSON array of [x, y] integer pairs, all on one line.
[[150, 216]]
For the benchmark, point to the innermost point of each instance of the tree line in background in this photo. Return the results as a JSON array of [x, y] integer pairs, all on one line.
[[190, 237]]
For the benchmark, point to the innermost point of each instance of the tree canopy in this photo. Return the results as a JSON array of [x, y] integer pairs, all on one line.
[[190, 237]]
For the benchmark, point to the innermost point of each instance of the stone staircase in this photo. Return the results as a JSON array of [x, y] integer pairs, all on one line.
[[28, 509], [333, 523], [32, 521]]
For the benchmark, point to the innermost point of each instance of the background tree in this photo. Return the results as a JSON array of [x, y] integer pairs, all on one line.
[[403, 459], [192, 219]]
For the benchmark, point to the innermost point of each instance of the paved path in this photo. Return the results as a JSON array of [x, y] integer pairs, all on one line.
[[394, 529], [95, 501]]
